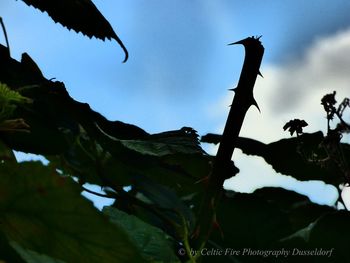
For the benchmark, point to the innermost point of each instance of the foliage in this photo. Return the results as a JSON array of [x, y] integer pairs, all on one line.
[[169, 205], [79, 15]]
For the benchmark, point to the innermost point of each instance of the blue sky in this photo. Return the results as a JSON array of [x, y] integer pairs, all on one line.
[[180, 66]]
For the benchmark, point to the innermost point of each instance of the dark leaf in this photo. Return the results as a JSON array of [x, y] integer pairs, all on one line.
[[259, 220], [167, 201], [53, 113], [248, 221], [153, 243], [45, 213], [329, 233], [305, 157], [42, 137], [183, 141], [113, 154], [300, 210], [303, 213], [79, 15], [211, 138], [18, 74]]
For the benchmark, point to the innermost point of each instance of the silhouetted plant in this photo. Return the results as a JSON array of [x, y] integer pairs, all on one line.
[[170, 205], [296, 126]]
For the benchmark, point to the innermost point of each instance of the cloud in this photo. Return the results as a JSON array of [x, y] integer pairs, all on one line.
[[324, 67]]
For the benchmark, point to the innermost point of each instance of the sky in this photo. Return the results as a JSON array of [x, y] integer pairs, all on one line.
[[180, 67]]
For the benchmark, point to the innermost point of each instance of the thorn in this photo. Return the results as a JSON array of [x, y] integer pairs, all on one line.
[[254, 103], [234, 89], [243, 41], [235, 43], [259, 73]]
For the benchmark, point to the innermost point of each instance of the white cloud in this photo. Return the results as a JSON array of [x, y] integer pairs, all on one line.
[[288, 91], [324, 67]]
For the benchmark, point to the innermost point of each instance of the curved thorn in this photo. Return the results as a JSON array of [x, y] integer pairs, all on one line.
[[254, 103]]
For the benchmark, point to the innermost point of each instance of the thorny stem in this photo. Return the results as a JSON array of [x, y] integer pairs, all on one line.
[[222, 168]]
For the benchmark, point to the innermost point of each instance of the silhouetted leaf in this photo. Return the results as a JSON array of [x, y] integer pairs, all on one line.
[[259, 220], [171, 142], [249, 221], [153, 243], [329, 232], [159, 195], [284, 199], [299, 209], [113, 164], [18, 74], [93, 149], [304, 158], [79, 15], [211, 138], [44, 212], [301, 214], [41, 137], [53, 114]]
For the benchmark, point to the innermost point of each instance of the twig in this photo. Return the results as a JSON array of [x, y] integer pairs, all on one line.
[[5, 34], [98, 194]]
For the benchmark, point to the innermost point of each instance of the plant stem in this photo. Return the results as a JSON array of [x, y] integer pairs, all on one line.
[[98, 194], [222, 168], [5, 34]]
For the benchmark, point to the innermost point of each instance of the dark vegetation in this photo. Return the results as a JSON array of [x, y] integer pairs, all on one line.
[[175, 206]]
